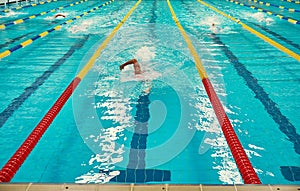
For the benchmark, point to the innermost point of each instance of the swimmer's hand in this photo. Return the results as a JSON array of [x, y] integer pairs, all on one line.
[[122, 67]]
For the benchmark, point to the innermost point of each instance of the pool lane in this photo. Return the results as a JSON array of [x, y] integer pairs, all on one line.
[[253, 31], [46, 52], [242, 161], [277, 36], [250, 16], [21, 20], [6, 10], [17, 102], [271, 107], [284, 123], [39, 25], [236, 52], [13, 15], [25, 43], [7, 173]]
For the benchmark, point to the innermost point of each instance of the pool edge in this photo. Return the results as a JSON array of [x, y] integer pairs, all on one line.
[[144, 187]]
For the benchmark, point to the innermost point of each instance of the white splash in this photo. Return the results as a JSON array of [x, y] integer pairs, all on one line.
[[145, 54], [83, 26], [96, 178], [213, 139], [260, 17], [12, 13], [255, 147], [208, 21], [269, 173], [117, 110], [251, 153]]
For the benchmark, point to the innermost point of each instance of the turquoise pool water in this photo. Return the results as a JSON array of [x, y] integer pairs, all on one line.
[[161, 122]]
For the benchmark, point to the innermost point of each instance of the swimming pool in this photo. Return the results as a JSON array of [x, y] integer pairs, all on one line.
[[162, 122]]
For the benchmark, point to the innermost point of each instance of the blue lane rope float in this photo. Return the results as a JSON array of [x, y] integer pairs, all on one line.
[[26, 6], [273, 5], [291, 20], [45, 33], [19, 21]]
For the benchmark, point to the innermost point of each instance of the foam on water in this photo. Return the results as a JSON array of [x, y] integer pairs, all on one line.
[[209, 20], [214, 140], [96, 178], [220, 26], [83, 26], [12, 14], [116, 109], [259, 17], [91, 25], [255, 147]]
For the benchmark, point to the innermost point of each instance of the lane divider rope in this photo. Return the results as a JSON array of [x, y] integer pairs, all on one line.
[[45, 33], [26, 6], [258, 34], [15, 162], [273, 5], [19, 21], [291, 1], [291, 20], [243, 163]]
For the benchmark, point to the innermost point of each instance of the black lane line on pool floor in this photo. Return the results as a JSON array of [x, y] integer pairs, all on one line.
[[17, 102], [271, 107], [136, 171], [278, 36]]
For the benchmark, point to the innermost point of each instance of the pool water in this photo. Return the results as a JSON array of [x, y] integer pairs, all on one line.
[[157, 127]]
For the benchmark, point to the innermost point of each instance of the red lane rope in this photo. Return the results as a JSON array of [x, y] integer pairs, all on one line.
[[15, 162], [243, 163]]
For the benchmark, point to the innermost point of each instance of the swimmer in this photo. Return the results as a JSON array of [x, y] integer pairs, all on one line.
[[136, 65], [59, 15], [213, 28]]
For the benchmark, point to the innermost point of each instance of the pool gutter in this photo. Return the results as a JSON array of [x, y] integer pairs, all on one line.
[[142, 187]]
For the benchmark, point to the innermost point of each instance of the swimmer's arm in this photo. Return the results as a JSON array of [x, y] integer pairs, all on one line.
[[133, 61], [59, 15]]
